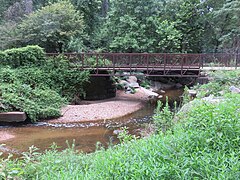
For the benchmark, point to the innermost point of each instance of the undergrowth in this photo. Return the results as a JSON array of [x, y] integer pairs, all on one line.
[[219, 84]]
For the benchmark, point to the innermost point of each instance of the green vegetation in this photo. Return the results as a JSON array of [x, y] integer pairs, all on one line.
[[26, 56], [220, 83], [37, 85], [203, 144], [51, 27], [186, 26]]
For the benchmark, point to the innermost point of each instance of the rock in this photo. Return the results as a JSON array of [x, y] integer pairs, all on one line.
[[234, 89], [124, 83], [221, 93], [117, 131], [152, 96], [129, 90], [185, 109], [162, 91], [132, 79], [125, 73], [192, 93], [134, 85], [178, 85], [212, 99], [13, 116]]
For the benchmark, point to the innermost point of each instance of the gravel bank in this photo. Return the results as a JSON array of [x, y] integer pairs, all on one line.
[[119, 106]]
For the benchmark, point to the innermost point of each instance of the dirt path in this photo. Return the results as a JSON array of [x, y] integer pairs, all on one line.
[[122, 105]]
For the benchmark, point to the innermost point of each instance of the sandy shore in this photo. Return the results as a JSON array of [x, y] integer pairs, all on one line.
[[122, 105]]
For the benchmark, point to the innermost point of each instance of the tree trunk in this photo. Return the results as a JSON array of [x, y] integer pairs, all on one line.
[[28, 6], [105, 7]]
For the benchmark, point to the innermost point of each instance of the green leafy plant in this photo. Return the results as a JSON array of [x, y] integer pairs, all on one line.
[[25, 56], [163, 117], [124, 135], [39, 89]]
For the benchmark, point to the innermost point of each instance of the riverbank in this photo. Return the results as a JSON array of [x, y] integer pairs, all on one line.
[[93, 111], [88, 111], [207, 132]]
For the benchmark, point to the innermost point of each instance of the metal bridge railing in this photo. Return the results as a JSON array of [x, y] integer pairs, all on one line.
[[151, 64]]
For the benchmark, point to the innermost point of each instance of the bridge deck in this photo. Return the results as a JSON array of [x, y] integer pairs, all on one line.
[[151, 64]]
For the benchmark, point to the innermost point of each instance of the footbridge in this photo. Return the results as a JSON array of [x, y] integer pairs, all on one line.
[[151, 64]]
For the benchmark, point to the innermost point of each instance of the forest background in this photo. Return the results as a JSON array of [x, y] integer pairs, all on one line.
[[179, 26]]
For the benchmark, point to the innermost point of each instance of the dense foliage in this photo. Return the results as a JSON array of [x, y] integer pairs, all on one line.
[[37, 85], [203, 144], [121, 26], [26, 56], [52, 27]]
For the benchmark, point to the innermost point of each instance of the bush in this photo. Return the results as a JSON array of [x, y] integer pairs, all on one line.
[[3, 58], [37, 85], [26, 56], [65, 79], [37, 103], [35, 89]]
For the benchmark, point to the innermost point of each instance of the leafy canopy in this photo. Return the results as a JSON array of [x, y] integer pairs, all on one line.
[[52, 27]]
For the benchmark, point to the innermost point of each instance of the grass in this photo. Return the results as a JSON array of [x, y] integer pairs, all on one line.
[[203, 144]]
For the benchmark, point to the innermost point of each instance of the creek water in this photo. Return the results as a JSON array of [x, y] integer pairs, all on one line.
[[85, 136]]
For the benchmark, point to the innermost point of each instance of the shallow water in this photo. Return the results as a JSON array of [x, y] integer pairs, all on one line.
[[85, 135]]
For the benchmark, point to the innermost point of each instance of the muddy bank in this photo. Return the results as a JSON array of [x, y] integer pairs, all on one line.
[[121, 105]]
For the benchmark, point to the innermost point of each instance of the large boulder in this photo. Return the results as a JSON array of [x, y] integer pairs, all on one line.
[[133, 81], [124, 84]]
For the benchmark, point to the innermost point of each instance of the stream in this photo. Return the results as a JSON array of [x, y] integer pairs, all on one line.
[[84, 135]]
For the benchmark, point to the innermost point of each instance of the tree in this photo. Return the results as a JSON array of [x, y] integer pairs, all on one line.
[[210, 40], [227, 25], [137, 26], [4, 6], [52, 27]]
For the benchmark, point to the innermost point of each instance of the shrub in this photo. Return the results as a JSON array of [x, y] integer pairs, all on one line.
[[25, 56], [65, 79], [37, 85], [37, 103], [3, 58]]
